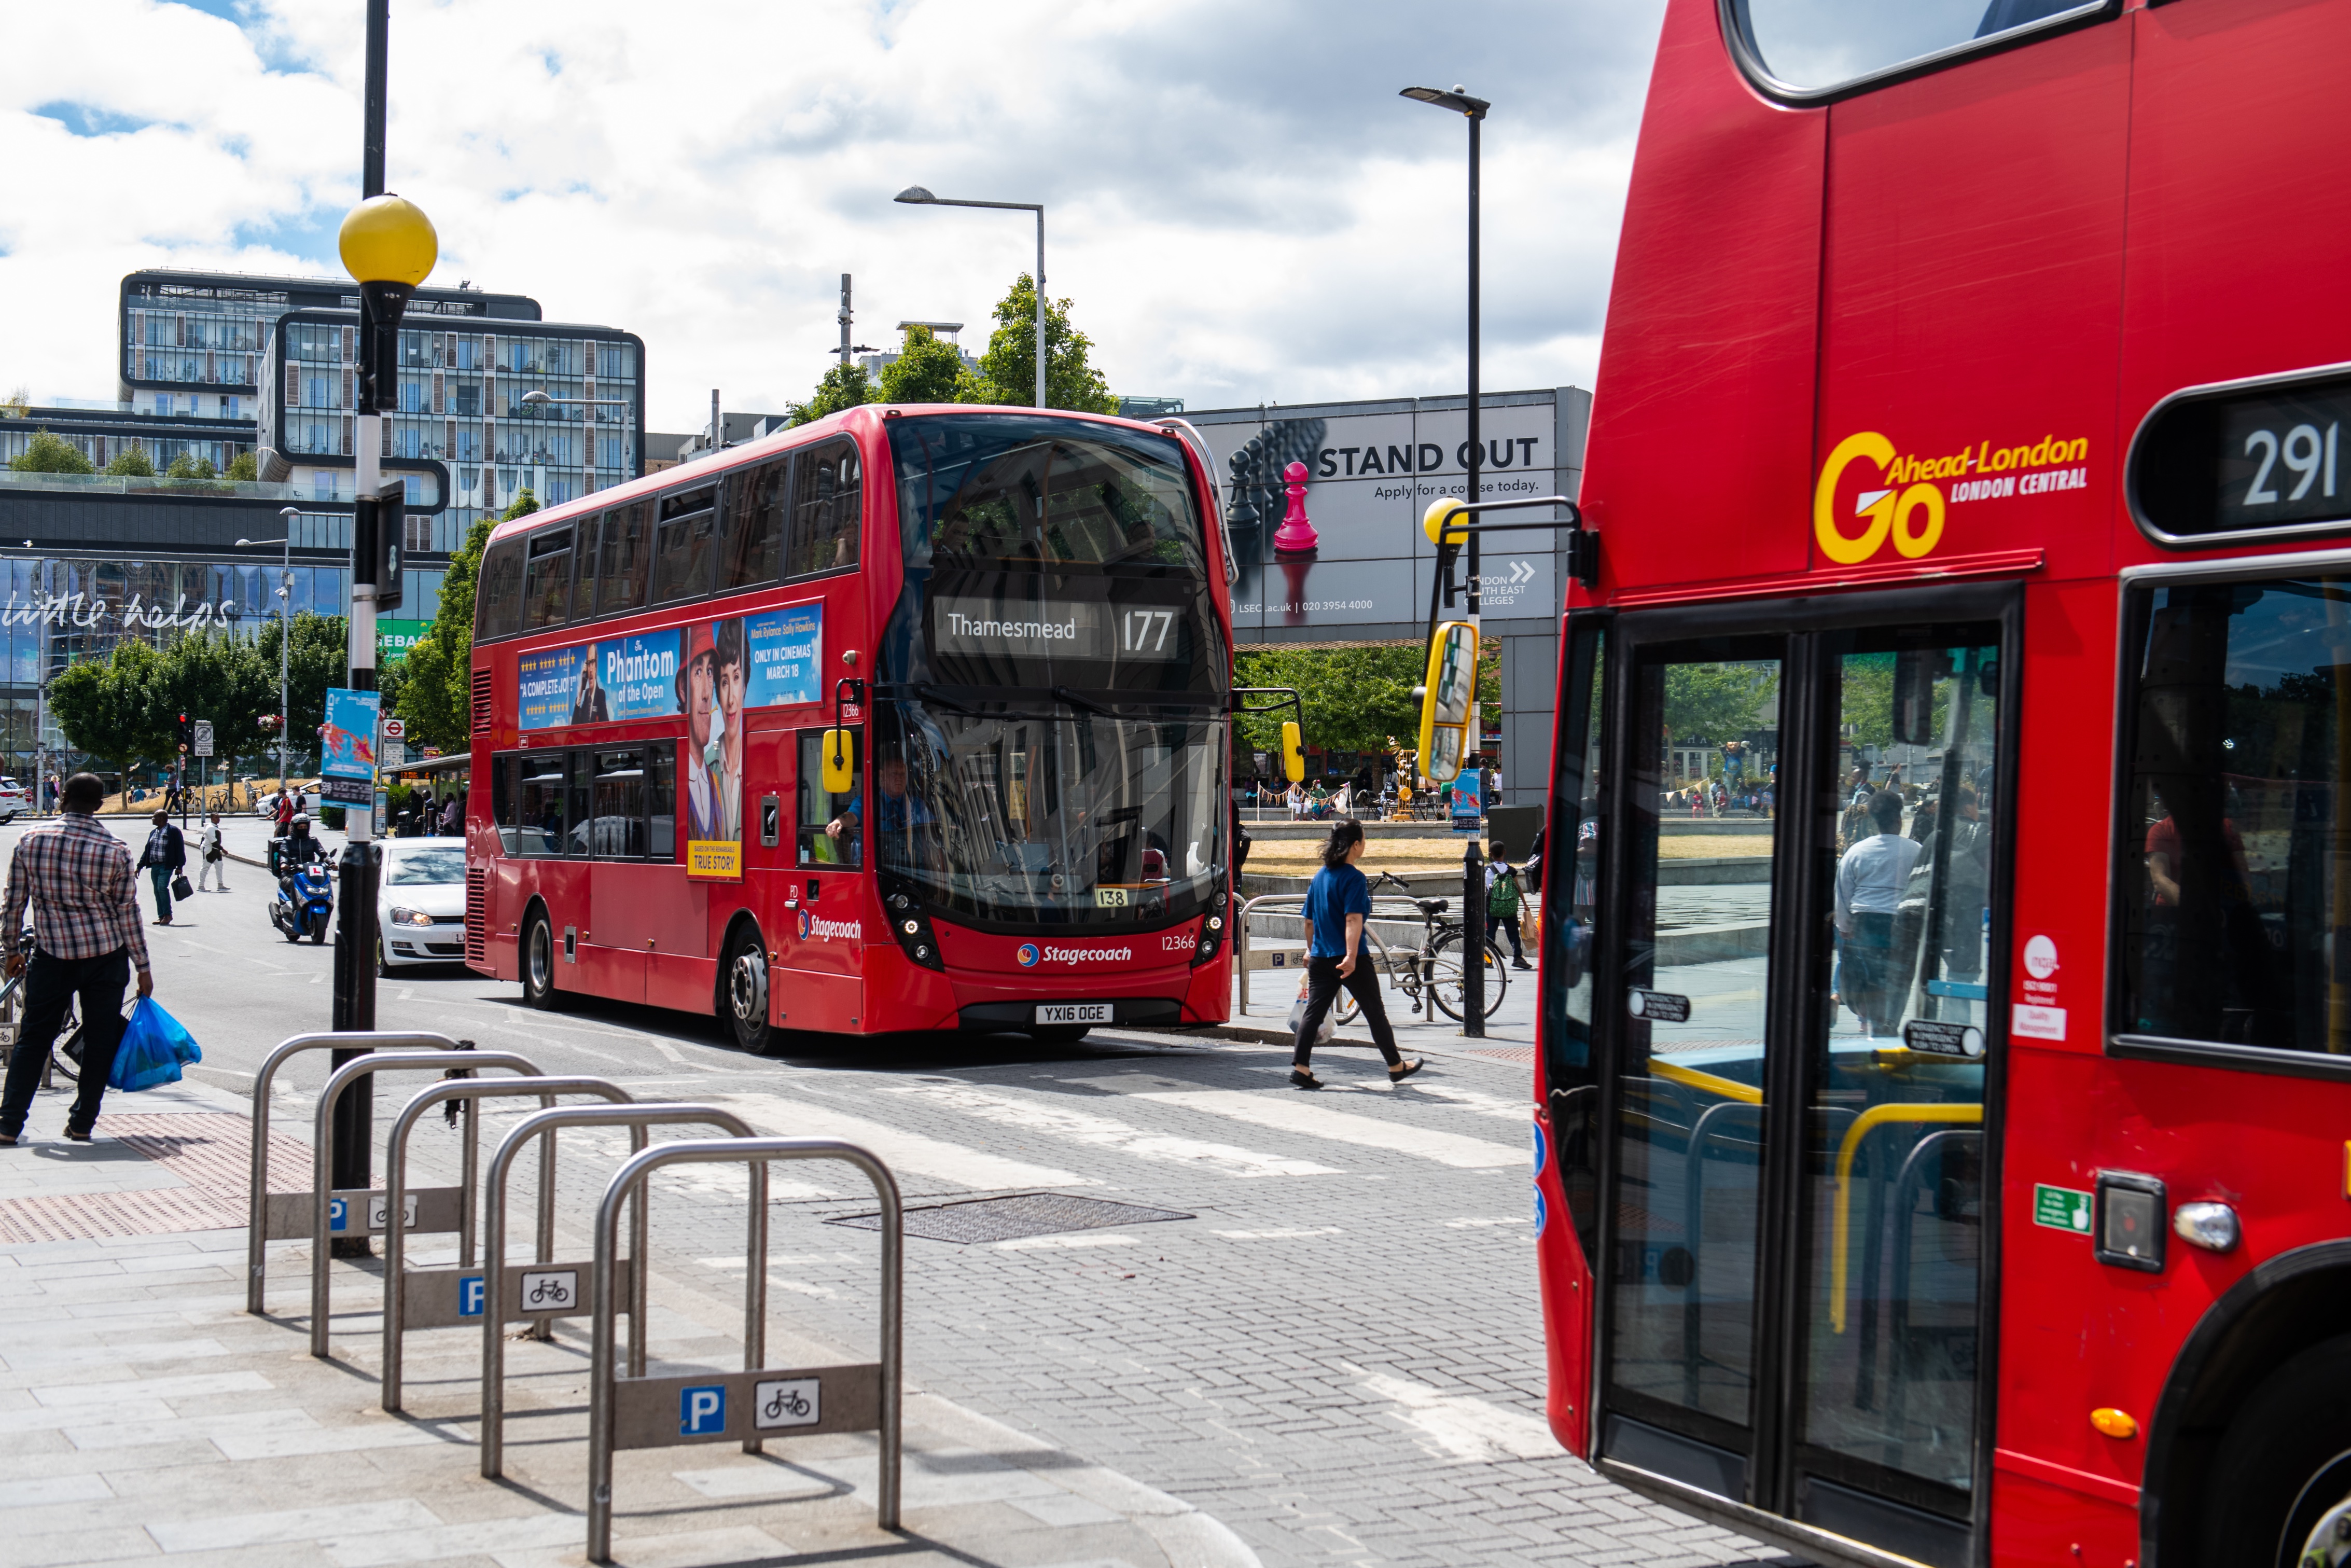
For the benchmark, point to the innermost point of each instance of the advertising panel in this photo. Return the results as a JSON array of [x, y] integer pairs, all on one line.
[[394, 638], [546, 684], [348, 740], [636, 677]]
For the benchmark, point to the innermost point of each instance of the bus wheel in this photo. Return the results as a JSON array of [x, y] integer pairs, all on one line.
[[747, 993], [539, 963], [2281, 1478]]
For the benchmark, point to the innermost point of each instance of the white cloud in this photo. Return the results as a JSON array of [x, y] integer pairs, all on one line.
[[1240, 205]]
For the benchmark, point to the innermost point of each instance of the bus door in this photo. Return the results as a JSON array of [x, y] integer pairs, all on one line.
[[1795, 935], [822, 937]]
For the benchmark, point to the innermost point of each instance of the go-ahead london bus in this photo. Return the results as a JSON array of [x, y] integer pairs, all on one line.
[[907, 719], [1946, 1163]]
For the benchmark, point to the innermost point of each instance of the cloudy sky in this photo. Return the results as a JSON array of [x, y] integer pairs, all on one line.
[[1239, 204]]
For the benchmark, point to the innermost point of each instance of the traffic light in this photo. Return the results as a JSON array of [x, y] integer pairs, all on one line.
[[186, 732], [375, 544]]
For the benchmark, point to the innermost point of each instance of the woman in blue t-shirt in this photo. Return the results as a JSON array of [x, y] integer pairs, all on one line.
[[1337, 954]]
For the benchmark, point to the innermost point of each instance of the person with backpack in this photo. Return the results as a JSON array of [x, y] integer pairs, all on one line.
[[1502, 900]]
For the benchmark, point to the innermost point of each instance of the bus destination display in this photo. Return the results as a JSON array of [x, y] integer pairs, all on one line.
[[973, 627], [2245, 462]]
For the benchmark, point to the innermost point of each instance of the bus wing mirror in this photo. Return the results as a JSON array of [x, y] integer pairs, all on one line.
[[1447, 702], [840, 750], [1293, 751]]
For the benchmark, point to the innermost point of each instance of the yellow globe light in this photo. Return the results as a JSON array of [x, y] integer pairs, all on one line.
[[388, 239], [1433, 521]]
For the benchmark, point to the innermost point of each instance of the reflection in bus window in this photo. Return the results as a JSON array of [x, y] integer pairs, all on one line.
[[755, 526], [662, 800], [826, 510], [616, 828], [2231, 892], [546, 584], [503, 810], [1567, 877], [627, 559], [539, 799], [829, 828], [684, 548], [1816, 45], [990, 487], [498, 606]]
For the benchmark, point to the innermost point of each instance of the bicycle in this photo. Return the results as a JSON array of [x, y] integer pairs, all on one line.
[[1435, 966]]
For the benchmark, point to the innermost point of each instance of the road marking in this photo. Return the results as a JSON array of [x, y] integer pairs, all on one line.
[[902, 1150], [1286, 1113], [1279, 1235], [1460, 1429], [1042, 1243], [1032, 1115], [1483, 1224], [1475, 1100]]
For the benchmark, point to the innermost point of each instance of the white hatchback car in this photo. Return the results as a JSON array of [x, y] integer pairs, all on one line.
[[421, 903], [14, 800]]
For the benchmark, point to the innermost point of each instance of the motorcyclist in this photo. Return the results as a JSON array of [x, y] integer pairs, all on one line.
[[299, 849]]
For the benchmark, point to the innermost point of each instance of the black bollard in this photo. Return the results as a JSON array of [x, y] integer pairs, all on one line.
[[354, 1008], [1473, 942]]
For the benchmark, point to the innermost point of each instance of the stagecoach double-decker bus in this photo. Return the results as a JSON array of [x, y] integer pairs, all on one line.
[[909, 718], [1955, 1172]]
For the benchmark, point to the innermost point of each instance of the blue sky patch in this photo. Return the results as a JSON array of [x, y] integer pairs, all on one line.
[[89, 120]]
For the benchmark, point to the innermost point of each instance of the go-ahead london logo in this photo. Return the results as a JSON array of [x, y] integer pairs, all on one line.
[[1029, 954], [1910, 495]]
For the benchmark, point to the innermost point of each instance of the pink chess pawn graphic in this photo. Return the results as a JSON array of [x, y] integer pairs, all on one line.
[[1296, 535]]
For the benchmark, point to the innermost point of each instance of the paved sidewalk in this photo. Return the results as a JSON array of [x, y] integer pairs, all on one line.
[[145, 1415]]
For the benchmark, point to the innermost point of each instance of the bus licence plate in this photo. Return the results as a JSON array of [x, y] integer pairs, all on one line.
[[1073, 1012]]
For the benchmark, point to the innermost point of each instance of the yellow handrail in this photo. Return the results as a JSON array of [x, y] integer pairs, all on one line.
[[1876, 1116], [1690, 1077]]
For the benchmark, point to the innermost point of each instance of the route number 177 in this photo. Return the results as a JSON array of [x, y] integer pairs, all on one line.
[[1145, 630]]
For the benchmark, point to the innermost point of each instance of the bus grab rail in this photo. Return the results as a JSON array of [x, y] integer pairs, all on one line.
[[546, 1125], [545, 1088], [1869, 1121], [322, 1149], [664, 1427], [256, 1231]]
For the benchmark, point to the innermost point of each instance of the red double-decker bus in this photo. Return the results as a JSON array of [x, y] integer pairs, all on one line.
[[910, 718], [1949, 1165]]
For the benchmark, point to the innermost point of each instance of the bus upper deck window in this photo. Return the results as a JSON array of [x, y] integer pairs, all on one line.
[[753, 547], [683, 548], [583, 567], [625, 565], [547, 579], [1809, 48], [499, 605], [826, 510]]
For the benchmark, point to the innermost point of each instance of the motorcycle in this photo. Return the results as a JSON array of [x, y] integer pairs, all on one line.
[[308, 909]]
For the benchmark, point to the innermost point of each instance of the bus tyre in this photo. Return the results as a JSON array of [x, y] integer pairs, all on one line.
[[539, 963], [2284, 1470], [743, 993]]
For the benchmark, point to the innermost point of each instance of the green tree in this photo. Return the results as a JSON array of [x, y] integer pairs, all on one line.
[[133, 462], [222, 677], [1718, 702], [108, 707], [843, 386], [49, 454], [433, 690], [188, 465], [1007, 371], [244, 466], [318, 658], [1354, 698], [928, 368]]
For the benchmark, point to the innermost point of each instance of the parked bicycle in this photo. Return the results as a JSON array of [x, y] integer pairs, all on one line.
[[1435, 967]]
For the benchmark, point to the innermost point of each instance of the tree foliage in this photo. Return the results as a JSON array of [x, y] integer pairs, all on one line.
[[1007, 370], [843, 386], [1718, 702], [133, 462], [433, 691], [188, 465], [244, 466], [928, 368], [51, 454], [318, 658]]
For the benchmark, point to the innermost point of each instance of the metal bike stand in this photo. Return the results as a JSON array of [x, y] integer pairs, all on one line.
[[290, 1220], [322, 1155], [495, 1313], [758, 1402], [1423, 1005], [444, 1287]]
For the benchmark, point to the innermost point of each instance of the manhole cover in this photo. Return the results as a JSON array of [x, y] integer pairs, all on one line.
[[1010, 1218]]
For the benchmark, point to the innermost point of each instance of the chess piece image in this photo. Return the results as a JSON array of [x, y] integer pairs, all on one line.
[[1294, 567], [1296, 536]]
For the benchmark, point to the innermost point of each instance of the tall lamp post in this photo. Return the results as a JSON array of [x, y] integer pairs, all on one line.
[[285, 622], [914, 195], [1473, 880], [389, 247]]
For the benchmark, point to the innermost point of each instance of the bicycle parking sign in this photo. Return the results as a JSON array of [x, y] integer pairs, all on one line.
[[790, 1402]]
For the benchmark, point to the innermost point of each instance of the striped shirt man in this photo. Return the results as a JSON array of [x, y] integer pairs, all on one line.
[[78, 880]]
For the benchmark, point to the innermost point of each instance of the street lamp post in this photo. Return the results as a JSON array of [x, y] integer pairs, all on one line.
[[285, 620], [1473, 888], [914, 195]]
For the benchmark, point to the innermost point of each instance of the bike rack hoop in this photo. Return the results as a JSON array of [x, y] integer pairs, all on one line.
[[395, 1182], [546, 1125], [884, 1385], [257, 1194]]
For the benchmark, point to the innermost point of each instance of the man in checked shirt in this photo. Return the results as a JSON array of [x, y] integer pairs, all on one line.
[[87, 938]]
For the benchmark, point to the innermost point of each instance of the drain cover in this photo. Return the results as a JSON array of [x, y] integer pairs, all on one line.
[[1010, 1218]]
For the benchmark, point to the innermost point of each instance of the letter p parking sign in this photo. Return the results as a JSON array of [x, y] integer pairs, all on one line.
[[702, 1410]]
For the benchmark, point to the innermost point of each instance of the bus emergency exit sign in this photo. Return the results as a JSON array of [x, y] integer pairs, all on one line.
[[2062, 1208]]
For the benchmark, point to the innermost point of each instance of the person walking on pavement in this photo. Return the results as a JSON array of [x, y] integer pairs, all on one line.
[[165, 854], [1503, 901], [1338, 953], [213, 853], [85, 941]]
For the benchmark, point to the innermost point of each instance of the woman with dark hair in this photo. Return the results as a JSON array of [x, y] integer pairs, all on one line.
[[1337, 904]]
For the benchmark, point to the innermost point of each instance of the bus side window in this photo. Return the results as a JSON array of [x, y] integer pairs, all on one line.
[[753, 546], [501, 802], [830, 829], [619, 821], [682, 553], [538, 799], [660, 800], [498, 610], [583, 567], [547, 579], [625, 559], [827, 495]]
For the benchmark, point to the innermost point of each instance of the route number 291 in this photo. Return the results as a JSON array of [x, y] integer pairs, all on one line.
[[2304, 451]]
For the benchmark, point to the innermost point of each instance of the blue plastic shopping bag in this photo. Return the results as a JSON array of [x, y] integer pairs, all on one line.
[[154, 1047]]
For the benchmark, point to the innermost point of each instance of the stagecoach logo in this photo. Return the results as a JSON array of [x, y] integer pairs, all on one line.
[[830, 930], [1031, 955], [1907, 498]]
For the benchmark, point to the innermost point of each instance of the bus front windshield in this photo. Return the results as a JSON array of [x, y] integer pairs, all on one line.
[[1047, 739]]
